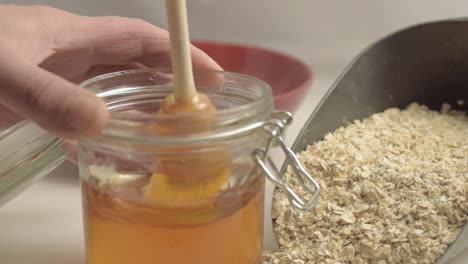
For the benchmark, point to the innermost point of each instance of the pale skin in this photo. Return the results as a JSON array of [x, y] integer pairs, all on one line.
[[45, 52]]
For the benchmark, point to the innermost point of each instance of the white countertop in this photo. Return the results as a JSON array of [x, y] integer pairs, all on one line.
[[44, 224]]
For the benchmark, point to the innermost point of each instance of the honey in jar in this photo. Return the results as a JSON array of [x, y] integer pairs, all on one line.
[[146, 197], [122, 228]]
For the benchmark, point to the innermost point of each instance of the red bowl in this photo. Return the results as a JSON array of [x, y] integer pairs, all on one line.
[[288, 77]]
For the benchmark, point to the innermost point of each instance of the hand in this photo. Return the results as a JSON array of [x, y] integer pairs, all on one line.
[[44, 52]]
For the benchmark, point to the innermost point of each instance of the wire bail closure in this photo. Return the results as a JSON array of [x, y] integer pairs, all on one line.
[[276, 128]]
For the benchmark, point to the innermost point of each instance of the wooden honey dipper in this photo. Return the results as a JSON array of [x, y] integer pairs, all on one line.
[[202, 174]]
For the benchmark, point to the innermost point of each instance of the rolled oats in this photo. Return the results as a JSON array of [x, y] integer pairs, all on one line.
[[394, 190]]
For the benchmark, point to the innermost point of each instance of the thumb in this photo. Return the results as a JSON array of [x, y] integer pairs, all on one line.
[[52, 102]]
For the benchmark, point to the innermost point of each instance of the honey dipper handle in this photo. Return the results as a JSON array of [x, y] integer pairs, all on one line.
[[184, 86]]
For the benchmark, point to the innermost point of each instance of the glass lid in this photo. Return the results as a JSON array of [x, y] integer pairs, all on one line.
[[27, 154]]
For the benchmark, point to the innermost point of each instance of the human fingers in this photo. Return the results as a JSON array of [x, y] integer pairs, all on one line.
[[53, 103], [115, 41], [8, 117]]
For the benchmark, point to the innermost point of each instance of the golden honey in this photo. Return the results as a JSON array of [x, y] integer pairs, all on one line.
[[123, 227], [176, 189]]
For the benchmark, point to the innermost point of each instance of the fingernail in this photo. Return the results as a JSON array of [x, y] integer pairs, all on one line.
[[71, 148], [86, 114]]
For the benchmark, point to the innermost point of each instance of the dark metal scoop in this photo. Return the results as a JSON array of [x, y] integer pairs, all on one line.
[[426, 63]]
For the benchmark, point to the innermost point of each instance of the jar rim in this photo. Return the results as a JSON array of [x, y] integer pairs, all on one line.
[[119, 123]]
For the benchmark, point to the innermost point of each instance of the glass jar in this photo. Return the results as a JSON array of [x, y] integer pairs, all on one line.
[[185, 188]]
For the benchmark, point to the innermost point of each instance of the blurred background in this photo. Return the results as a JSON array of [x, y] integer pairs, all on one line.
[[325, 34]]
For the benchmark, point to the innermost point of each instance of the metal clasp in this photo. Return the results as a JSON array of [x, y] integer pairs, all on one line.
[[276, 128]]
